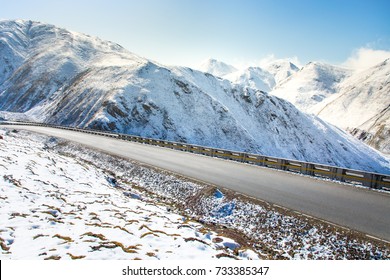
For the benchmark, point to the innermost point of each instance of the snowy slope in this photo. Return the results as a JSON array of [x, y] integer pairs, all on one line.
[[376, 131], [73, 79], [13, 47], [363, 103], [216, 68], [48, 60], [354, 101], [311, 85], [56, 207]]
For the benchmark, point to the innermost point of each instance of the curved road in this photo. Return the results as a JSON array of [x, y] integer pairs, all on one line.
[[356, 208]]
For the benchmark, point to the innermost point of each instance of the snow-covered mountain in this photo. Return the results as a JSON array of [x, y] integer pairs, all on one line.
[[362, 105], [376, 131], [216, 67], [281, 69], [357, 102], [63, 77], [311, 85], [263, 78], [43, 60], [253, 77]]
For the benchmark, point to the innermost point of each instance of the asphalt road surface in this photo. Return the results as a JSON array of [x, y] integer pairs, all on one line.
[[356, 208]]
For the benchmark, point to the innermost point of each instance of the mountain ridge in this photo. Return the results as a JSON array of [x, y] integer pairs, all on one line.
[[73, 79], [311, 85]]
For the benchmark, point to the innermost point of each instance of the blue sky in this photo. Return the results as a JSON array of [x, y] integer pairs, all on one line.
[[185, 32]]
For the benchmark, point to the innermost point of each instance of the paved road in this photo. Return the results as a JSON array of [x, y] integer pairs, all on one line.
[[357, 208]]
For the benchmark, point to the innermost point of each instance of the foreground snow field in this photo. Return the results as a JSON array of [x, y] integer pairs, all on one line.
[[60, 200], [55, 207]]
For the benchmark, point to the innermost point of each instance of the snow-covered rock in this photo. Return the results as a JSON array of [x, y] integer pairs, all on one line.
[[73, 79]]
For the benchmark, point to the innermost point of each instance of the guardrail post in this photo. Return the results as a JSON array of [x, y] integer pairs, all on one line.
[[334, 173], [340, 172], [367, 180], [376, 181], [304, 168], [308, 168], [282, 164], [260, 160], [244, 157]]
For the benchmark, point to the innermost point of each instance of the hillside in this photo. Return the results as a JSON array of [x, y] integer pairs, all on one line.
[[356, 102], [313, 84], [362, 104], [376, 131]]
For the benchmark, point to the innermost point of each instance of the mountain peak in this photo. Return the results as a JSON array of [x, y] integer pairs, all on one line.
[[281, 69], [216, 67], [254, 77]]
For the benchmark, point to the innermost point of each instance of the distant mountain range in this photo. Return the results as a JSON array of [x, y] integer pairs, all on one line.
[[357, 102], [311, 85], [265, 78], [53, 75]]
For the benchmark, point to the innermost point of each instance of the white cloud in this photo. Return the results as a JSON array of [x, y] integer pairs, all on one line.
[[242, 64], [272, 58], [365, 58], [267, 60]]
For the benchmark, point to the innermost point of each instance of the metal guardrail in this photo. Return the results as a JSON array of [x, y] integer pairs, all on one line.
[[368, 179]]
